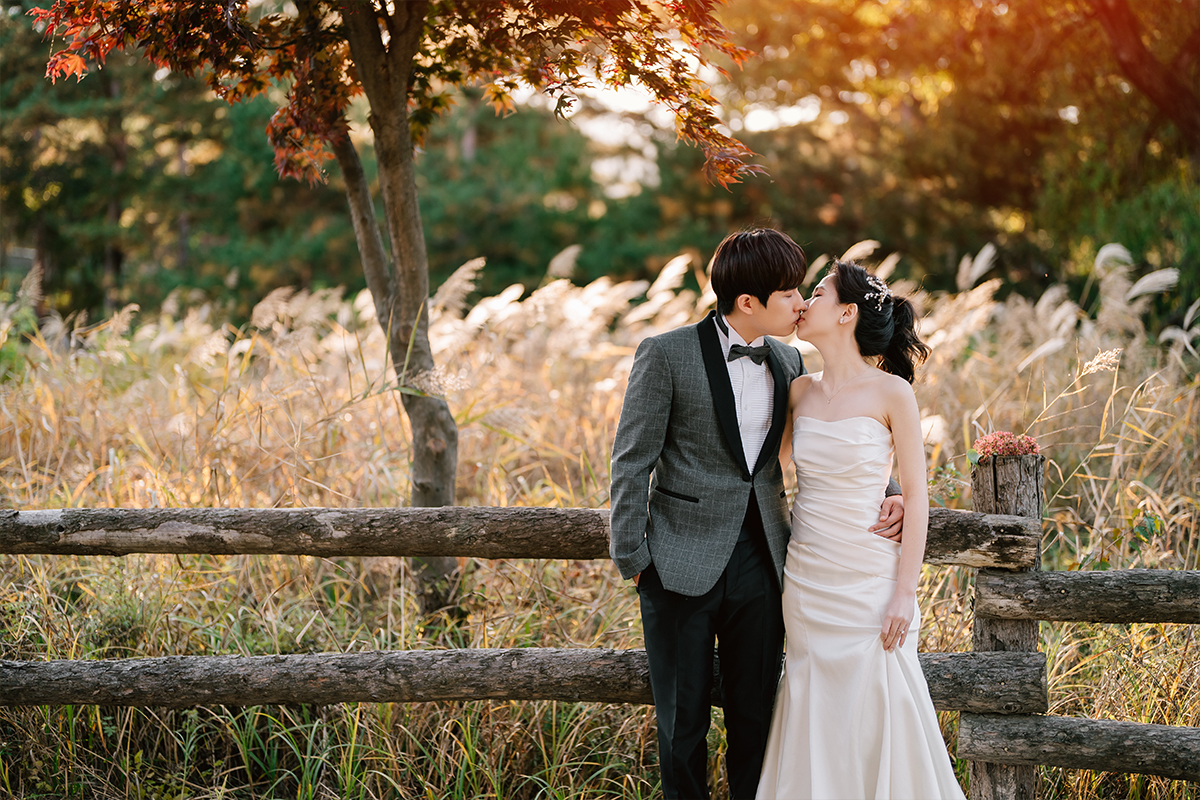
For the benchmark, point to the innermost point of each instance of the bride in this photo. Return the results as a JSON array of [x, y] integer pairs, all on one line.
[[853, 718]]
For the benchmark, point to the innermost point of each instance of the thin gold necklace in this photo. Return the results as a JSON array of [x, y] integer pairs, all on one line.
[[829, 399]]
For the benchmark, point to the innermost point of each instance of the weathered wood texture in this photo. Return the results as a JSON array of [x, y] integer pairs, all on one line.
[[993, 634], [1007, 485], [971, 539], [1002, 682], [1008, 683], [1106, 746], [446, 531], [1127, 595], [955, 537]]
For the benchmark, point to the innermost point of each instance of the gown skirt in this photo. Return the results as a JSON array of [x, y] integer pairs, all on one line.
[[851, 720]]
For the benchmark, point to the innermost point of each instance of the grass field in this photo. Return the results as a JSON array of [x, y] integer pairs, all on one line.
[[173, 408]]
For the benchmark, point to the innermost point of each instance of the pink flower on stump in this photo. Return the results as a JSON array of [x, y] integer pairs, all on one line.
[[1005, 443]]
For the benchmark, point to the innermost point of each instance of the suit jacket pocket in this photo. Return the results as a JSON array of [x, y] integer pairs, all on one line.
[[677, 495]]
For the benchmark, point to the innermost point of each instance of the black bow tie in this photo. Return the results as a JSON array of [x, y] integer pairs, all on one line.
[[756, 354]]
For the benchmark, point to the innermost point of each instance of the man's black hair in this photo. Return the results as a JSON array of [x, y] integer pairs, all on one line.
[[757, 262]]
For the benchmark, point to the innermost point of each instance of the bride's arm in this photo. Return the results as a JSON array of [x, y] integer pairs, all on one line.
[[905, 420], [785, 444]]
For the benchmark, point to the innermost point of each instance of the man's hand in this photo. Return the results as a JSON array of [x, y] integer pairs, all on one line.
[[637, 578], [891, 519]]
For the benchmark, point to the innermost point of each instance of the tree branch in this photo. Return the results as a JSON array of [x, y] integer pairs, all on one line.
[[1161, 85], [376, 266], [1189, 53], [366, 44]]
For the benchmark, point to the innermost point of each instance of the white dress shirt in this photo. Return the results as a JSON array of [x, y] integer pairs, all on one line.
[[753, 392]]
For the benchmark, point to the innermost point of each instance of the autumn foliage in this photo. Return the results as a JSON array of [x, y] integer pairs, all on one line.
[[556, 46]]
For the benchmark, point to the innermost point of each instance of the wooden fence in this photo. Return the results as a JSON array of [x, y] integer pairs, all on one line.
[[1000, 688]]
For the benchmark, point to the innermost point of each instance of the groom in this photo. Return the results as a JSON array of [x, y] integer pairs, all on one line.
[[699, 517]]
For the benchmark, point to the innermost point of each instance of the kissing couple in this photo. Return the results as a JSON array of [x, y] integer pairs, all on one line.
[[700, 522]]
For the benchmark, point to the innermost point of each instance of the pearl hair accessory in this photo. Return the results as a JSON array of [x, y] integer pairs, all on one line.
[[881, 293]]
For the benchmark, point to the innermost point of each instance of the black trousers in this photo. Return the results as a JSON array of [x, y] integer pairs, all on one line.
[[743, 613]]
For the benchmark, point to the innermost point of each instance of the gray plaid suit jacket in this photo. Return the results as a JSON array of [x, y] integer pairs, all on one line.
[[680, 484]]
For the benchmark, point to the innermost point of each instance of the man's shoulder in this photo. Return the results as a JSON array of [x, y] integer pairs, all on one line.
[[683, 336], [786, 352]]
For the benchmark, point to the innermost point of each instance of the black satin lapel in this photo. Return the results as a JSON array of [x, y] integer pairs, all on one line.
[[721, 388], [779, 413]]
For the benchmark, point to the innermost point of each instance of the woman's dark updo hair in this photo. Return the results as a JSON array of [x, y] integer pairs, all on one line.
[[887, 324]]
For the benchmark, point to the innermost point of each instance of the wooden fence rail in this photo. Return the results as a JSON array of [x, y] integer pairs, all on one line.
[[1004, 683], [1121, 595], [955, 537], [1103, 745]]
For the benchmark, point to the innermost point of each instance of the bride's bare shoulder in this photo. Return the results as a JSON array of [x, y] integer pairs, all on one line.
[[894, 384], [801, 384], [896, 393]]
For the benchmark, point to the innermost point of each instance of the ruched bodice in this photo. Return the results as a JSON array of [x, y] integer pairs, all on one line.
[[842, 468]]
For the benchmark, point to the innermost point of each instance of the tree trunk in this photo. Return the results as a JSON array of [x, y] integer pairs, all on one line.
[[1166, 88], [114, 254], [1005, 485], [113, 257], [43, 269], [402, 293]]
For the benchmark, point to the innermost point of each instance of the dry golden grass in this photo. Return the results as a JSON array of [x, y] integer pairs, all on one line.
[[296, 410]]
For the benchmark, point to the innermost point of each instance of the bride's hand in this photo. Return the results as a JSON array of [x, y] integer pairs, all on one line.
[[897, 619]]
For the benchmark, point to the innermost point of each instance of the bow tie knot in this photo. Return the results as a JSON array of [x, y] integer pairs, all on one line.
[[756, 354]]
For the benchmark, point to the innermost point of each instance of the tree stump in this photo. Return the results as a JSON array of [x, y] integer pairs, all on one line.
[[1006, 485]]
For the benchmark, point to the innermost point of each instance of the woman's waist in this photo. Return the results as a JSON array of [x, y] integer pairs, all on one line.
[[841, 529], [844, 507], [857, 486], [859, 552]]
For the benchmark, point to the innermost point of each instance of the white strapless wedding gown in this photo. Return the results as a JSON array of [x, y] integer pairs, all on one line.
[[851, 719]]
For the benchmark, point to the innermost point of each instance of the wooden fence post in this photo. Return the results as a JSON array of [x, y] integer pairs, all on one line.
[[1006, 485]]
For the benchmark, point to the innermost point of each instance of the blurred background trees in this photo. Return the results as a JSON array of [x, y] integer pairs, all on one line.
[[934, 128], [136, 182], [953, 123]]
